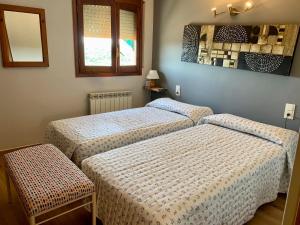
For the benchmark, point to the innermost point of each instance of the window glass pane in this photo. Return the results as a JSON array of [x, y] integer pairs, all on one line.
[[128, 38], [97, 35]]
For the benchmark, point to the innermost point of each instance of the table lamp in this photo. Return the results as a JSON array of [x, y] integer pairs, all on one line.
[[152, 76]]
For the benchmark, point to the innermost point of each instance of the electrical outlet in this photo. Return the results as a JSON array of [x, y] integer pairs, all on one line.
[[178, 90], [289, 112]]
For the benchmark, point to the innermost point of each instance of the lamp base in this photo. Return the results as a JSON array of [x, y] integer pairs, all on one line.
[[152, 83]]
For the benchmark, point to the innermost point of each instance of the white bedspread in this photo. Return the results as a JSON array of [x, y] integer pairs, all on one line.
[[207, 175], [82, 137]]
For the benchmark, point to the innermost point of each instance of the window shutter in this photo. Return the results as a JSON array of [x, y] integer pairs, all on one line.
[[97, 21]]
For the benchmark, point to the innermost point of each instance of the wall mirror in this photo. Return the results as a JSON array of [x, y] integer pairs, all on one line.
[[23, 36]]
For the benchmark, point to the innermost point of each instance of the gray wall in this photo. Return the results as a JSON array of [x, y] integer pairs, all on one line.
[[253, 95], [31, 97]]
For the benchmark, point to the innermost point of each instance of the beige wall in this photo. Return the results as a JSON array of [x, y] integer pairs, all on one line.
[[30, 98]]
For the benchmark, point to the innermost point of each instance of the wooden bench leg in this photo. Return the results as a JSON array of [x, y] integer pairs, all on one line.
[[8, 187], [94, 208], [32, 220]]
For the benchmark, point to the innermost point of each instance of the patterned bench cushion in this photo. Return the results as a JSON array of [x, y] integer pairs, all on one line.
[[45, 178]]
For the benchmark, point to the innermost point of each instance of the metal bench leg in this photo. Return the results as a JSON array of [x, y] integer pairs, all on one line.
[[94, 208], [8, 187], [32, 220]]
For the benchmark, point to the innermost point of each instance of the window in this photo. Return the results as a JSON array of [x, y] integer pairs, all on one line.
[[97, 36], [108, 37], [128, 38]]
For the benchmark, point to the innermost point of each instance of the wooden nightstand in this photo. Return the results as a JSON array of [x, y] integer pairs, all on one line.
[[156, 93]]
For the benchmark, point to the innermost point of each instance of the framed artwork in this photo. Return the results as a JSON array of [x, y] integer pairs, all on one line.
[[258, 48]]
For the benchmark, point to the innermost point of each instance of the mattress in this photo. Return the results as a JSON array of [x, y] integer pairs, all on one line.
[[82, 137], [211, 174]]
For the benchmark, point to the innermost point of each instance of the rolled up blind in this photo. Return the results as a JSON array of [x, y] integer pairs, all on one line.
[[97, 21], [128, 29]]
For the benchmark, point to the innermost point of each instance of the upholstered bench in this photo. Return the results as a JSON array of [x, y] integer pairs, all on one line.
[[46, 180]]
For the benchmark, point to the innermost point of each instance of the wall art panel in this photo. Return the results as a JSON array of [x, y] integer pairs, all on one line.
[[259, 48]]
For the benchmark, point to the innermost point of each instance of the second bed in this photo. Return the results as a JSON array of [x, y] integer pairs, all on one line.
[[218, 173], [82, 137]]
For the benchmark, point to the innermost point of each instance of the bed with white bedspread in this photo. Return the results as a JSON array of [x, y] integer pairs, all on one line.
[[217, 173], [82, 137]]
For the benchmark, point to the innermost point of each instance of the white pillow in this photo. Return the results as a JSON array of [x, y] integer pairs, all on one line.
[[195, 113]]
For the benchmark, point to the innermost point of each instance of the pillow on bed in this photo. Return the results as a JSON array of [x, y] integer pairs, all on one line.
[[195, 113], [274, 134]]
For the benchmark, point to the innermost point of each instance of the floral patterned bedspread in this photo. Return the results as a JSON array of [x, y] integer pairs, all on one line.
[[208, 174], [82, 137]]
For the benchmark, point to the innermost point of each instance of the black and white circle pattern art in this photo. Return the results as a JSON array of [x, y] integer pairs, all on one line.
[[191, 41], [263, 63], [231, 34]]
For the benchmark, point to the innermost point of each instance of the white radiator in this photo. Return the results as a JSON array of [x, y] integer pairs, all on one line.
[[110, 101]]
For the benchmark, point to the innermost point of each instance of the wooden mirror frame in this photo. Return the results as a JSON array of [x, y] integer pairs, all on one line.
[[5, 47]]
